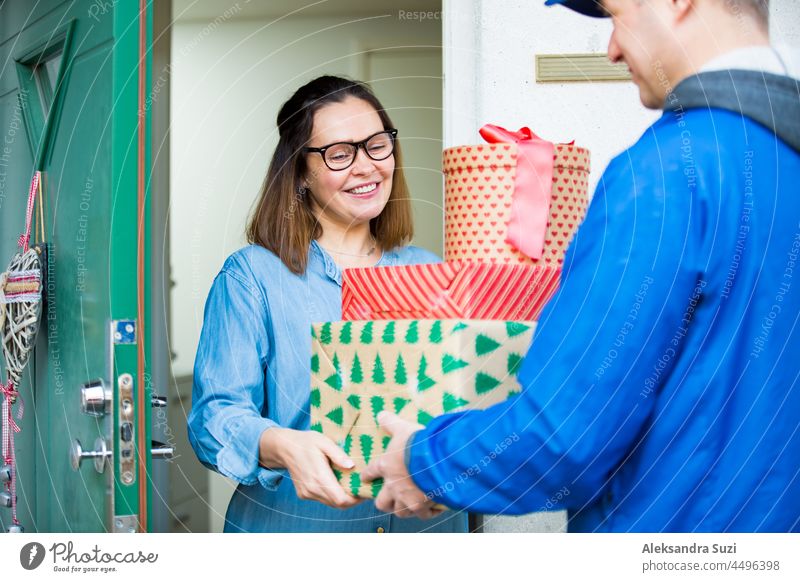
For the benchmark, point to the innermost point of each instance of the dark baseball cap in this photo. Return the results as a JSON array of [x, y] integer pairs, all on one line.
[[587, 7]]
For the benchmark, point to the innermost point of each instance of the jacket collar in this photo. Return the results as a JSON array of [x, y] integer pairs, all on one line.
[[769, 99]]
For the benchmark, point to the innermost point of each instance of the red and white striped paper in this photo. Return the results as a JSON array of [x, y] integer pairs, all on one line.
[[452, 290]]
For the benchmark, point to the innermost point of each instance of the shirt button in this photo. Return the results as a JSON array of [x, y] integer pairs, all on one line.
[[380, 529]]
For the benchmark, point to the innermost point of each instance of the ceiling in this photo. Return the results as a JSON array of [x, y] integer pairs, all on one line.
[[254, 9]]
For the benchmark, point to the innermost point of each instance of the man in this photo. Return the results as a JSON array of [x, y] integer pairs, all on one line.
[[661, 389]]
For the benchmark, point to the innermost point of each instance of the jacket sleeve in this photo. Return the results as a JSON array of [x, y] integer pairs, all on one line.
[[228, 397], [589, 377]]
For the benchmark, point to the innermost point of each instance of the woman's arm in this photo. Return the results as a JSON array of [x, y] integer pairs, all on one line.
[[226, 425]]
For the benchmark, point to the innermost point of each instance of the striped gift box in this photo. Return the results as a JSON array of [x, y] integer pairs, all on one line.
[[452, 290]]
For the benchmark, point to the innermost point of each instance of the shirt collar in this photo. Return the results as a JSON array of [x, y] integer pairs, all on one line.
[[333, 271], [752, 58]]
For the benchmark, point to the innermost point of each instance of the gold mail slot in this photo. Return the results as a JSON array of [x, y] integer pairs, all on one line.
[[573, 68]]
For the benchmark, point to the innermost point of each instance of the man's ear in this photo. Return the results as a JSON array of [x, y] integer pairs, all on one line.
[[682, 8]]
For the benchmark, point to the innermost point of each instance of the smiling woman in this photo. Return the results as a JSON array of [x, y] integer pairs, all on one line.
[[342, 204], [334, 197]]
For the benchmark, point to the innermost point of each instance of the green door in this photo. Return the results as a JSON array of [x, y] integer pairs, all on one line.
[[73, 105]]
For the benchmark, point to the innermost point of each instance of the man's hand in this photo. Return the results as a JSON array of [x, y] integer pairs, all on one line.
[[399, 494]]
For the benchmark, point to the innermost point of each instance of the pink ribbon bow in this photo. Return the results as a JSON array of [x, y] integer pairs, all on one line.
[[530, 205]]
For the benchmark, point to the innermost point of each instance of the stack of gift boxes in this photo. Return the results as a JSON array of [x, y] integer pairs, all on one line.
[[424, 340]]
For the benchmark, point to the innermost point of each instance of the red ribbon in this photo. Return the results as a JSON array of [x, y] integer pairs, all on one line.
[[530, 205], [10, 393], [25, 238]]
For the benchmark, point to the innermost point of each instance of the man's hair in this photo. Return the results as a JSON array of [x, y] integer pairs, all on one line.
[[758, 8]]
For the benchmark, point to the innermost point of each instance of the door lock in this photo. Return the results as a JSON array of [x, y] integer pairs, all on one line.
[[95, 398]]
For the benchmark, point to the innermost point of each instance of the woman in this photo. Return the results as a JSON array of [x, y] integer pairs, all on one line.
[[334, 197]]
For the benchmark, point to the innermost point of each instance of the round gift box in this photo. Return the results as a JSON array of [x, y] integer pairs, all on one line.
[[479, 188]]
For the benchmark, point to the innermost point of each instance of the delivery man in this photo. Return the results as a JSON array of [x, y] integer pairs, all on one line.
[[662, 388]]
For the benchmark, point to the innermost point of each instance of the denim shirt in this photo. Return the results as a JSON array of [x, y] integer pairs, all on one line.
[[252, 373]]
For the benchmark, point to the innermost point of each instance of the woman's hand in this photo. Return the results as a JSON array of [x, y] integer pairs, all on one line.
[[307, 455]]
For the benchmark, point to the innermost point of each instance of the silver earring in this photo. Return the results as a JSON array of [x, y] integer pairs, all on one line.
[[302, 190]]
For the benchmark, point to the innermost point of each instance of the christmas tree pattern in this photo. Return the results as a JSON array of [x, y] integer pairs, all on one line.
[[355, 483], [400, 375], [450, 364], [515, 328], [366, 333], [423, 417], [356, 374], [485, 345], [424, 382], [375, 488], [366, 446], [325, 337], [354, 400], [335, 380], [451, 402], [514, 362], [316, 398], [435, 337], [399, 404], [378, 404], [412, 335], [485, 383], [315, 364], [378, 375], [346, 333], [388, 333], [336, 415]]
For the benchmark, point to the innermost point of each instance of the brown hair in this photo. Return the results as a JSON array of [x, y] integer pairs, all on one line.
[[282, 221]]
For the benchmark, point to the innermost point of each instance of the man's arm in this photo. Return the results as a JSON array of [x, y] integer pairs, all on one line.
[[587, 387]]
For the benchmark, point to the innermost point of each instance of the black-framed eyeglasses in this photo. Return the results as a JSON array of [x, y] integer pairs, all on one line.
[[341, 155]]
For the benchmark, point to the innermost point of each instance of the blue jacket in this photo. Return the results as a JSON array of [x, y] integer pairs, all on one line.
[[661, 389]]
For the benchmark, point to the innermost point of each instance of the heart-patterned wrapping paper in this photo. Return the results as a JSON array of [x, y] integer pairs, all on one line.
[[479, 186], [418, 369]]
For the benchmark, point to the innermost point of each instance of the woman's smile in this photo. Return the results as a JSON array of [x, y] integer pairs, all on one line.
[[364, 191]]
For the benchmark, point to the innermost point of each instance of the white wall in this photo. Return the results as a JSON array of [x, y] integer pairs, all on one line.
[[490, 49], [229, 78]]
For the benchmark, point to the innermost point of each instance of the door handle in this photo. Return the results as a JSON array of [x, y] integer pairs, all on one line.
[[161, 451], [100, 455]]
